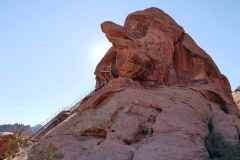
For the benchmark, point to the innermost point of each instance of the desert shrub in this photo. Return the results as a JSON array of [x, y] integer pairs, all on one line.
[[218, 148], [50, 152], [18, 142]]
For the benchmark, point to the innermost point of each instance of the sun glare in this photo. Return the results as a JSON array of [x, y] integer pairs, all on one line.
[[100, 50]]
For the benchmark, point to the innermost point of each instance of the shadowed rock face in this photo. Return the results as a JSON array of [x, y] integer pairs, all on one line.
[[159, 104]]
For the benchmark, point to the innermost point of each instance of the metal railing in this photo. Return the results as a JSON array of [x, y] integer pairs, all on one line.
[[68, 108], [74, 105]]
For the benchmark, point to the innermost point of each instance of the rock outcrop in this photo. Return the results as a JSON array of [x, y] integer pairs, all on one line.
[[236, 96], [5, 138], [157, 100]]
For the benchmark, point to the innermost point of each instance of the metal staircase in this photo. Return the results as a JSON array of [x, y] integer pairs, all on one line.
[[108, 73]]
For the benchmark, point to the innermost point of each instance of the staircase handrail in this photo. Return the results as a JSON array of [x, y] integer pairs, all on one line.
[[67, 108], [72, 106]]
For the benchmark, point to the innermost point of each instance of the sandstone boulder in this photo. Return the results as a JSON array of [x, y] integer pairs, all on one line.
[[5, 138], [152, 46]]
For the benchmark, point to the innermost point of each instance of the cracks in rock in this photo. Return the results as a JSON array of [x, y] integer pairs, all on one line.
[[145, 128], [180, 38], [158, 109], [210, 107], [101, 98], [191, 106], [210, 123], [133, 153], [113, 117], [127, 141], [147, 105], [100, 142], [131, 156], [238, 131], [210, 130], [95, 132], [216, 98], [224, 108], [150, 84], [54, 135], [197, 91], [102, 132], [177, 42]]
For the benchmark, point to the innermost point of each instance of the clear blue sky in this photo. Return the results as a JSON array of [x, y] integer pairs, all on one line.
[[49, 48]]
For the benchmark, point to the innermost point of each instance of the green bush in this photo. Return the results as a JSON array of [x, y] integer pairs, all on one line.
[[20, 142], [218, 148]]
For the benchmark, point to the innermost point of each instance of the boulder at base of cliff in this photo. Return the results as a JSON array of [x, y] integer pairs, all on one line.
[[5, 138]]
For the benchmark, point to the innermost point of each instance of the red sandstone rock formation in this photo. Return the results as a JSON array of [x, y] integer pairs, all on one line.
[[5, 138], [236, 96], [161, 92]]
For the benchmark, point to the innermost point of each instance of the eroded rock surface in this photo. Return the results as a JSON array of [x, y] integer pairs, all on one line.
[[236, 96], [5, 138], [151, 46], [158, 102]]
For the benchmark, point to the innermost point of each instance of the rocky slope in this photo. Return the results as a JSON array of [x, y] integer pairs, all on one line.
[[163, 98]]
